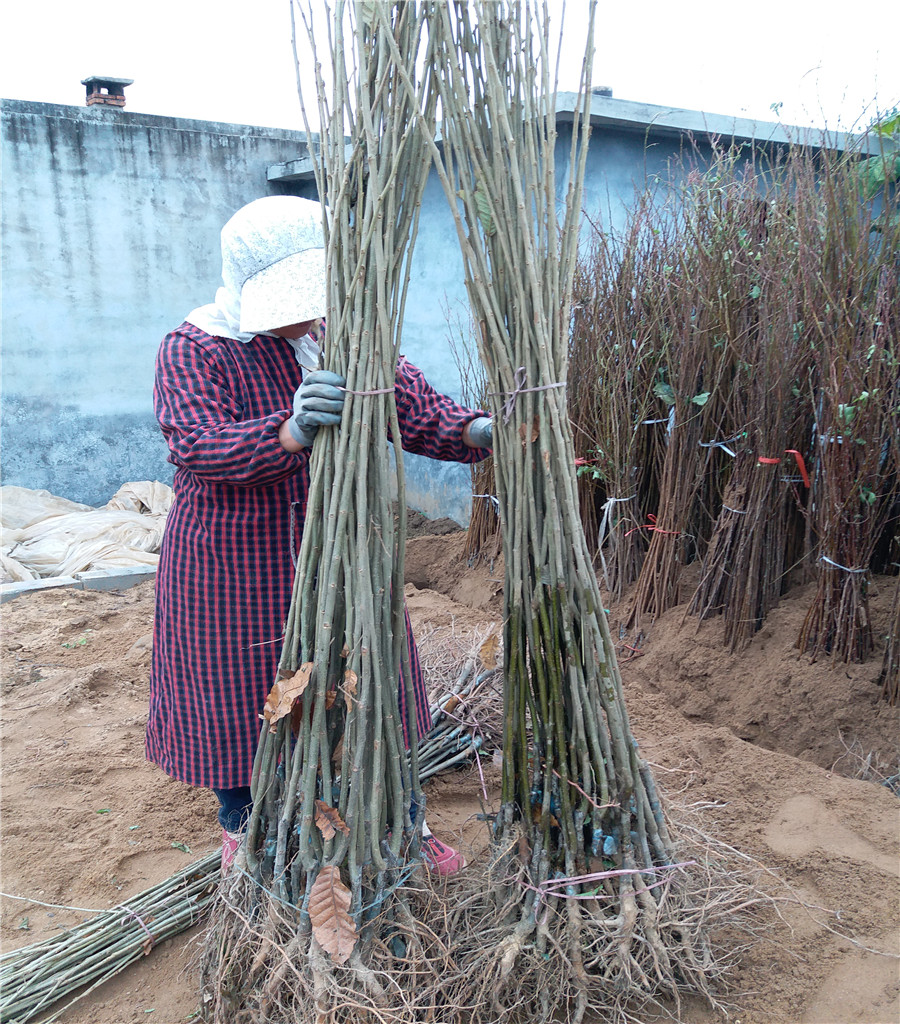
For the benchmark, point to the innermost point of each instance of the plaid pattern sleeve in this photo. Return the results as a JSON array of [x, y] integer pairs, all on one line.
[[215, 409], [431, 423]]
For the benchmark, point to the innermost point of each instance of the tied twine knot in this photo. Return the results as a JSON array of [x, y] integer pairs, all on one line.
[[150, 941], [519, 380]]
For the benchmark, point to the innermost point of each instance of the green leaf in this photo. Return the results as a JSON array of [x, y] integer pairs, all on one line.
[[876, 171], [755, 292], [103, 810], [702, 398], [182, 846], [889, 124], [665, 392], [484, 210]]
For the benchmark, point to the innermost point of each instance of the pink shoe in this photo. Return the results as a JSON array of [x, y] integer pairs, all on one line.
[[230, 843], [440, 857]]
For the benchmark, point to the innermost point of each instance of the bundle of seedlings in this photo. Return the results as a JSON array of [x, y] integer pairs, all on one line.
[[583, 407], [483, 537], [759, 529], [483, 531], [585, 905], [890, 666], [848, 275], [464, 669], [698, 304], [319, 921], [616, 357], [35, 978]]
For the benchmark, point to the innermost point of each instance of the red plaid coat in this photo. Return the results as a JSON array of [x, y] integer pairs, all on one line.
[[225, 575]]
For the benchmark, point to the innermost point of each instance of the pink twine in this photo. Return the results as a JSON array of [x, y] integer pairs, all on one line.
[[379, 391], [131, 913], [484, 791], [593, 803], [520, 389], [545, 888]]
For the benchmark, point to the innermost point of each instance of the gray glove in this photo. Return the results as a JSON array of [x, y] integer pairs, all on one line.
[[318, 402], [481, 432]]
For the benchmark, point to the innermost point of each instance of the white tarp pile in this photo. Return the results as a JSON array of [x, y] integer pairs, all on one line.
[[43, 535]]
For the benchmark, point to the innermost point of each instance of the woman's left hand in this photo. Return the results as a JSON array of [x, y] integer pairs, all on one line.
[[479, 433]]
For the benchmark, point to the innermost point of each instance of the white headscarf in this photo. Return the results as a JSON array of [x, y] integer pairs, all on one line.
[[275, 246]]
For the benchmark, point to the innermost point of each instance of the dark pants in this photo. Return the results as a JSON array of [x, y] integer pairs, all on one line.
[[235, 808]]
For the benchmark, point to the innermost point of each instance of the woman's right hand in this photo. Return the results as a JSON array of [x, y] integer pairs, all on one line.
[[318, 402]]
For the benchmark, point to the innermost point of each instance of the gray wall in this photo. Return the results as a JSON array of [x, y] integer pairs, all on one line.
[[111, 225]]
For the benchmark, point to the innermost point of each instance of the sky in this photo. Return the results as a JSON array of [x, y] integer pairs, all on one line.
[[832, 66]]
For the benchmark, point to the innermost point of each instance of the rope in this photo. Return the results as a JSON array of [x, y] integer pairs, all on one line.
[[511, 396], [492, 498], [131, 913], [547, 887], [607, 508], [721, 444], [838, 565]]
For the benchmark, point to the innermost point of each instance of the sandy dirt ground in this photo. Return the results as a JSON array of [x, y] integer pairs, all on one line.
[[780, 758]]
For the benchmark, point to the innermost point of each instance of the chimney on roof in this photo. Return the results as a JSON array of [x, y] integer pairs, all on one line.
[[602, 90], [109, 91]]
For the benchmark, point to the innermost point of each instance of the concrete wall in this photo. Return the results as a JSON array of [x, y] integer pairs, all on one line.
[[111, 225]]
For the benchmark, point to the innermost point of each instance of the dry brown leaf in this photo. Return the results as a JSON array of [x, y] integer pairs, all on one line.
[[451, 704], [338, 754], [329, 822], [332, 926], [351, 681], [283, 694], [330, 698], [535, 430], [489, 651]]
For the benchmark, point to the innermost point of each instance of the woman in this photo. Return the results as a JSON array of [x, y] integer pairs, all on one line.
[[239, 411]]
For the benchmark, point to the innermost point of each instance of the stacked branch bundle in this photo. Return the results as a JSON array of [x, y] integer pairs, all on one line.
[[483, 542], [35, 979], [585, 906], [318, 923], [736, 403], [890, 666], [617, 468]]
